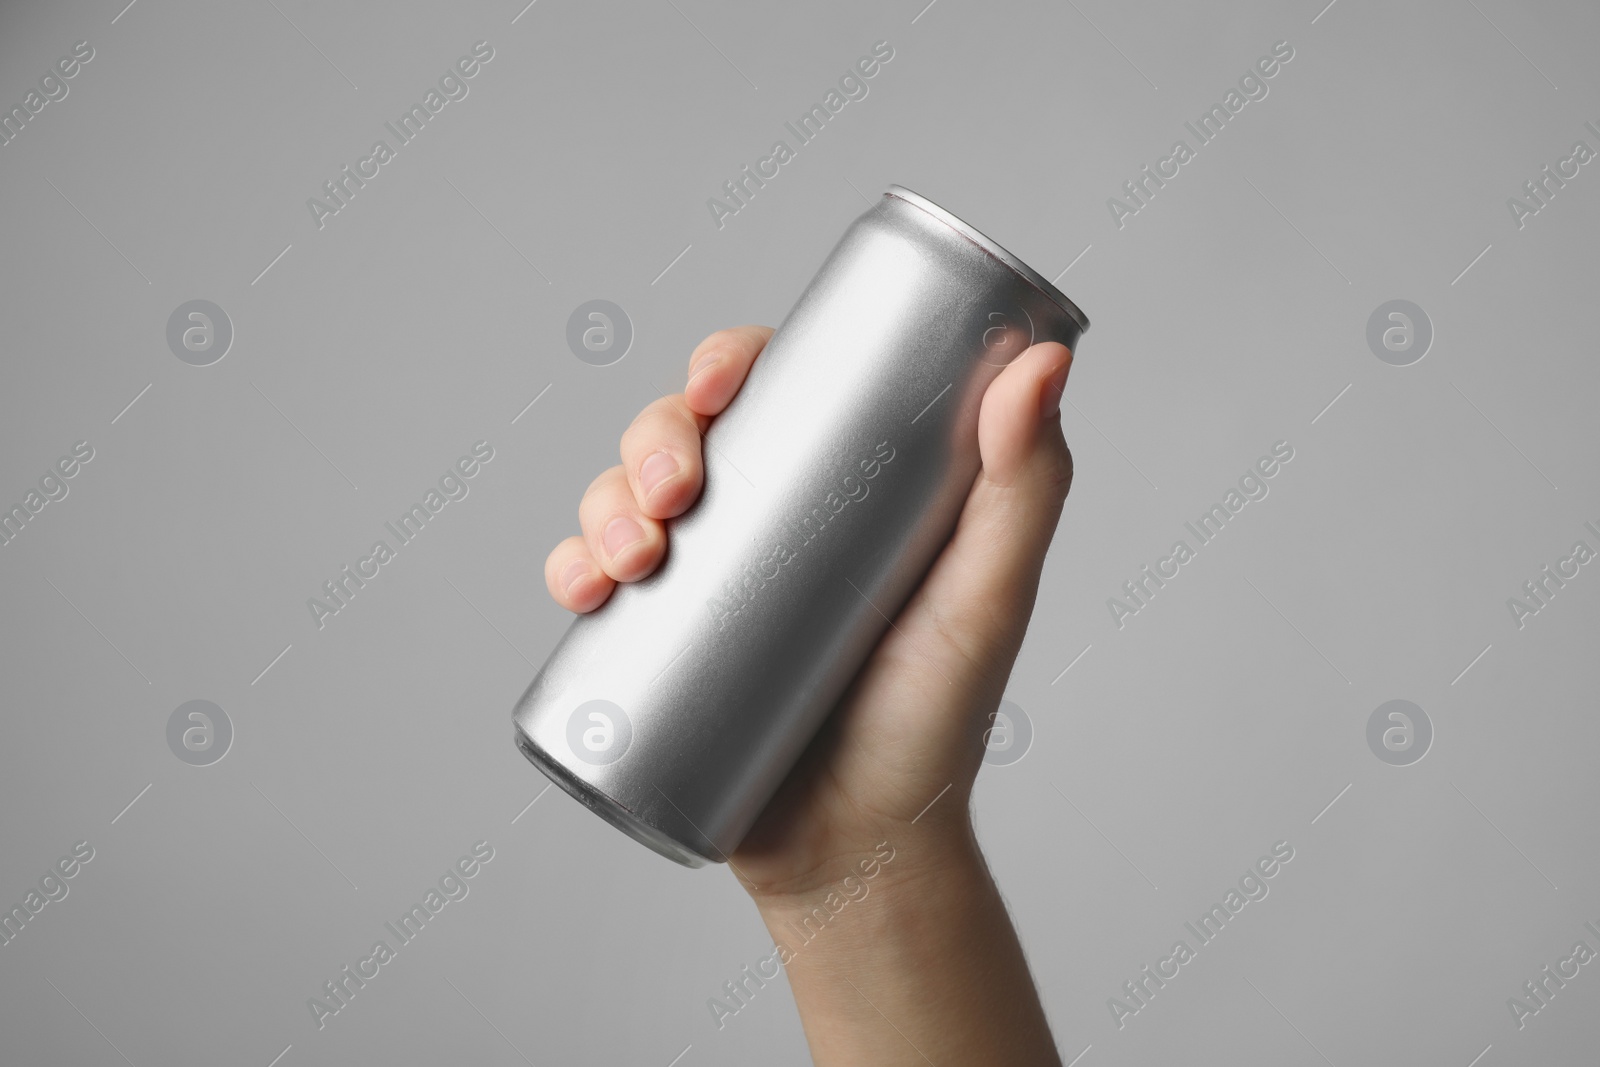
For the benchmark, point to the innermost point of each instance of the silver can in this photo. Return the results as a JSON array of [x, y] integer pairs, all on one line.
[[832, 480]]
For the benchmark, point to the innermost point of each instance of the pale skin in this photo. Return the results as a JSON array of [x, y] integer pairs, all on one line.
[[927, 967]]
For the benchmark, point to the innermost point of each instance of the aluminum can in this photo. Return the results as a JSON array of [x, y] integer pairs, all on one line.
[[833, 479]]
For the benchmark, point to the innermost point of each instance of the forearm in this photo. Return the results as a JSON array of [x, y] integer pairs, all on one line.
[[923, 968]]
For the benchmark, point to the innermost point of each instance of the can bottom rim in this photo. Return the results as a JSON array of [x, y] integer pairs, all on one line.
[[610, 809]]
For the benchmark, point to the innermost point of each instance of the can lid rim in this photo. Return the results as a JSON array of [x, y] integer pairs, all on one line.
[[994, 248]]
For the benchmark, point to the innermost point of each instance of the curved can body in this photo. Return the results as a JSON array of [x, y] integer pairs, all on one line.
[[832, 481]]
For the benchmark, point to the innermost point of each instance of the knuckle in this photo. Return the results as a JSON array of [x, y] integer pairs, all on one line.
[[642, 416], [602, 489], [728, 337], [635, 436], [663, 417], [738, 341], [714, 346]]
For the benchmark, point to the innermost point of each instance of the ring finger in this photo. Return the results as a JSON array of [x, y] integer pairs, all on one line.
[[625, 541]]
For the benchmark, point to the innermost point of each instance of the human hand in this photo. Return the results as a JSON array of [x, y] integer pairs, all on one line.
[[910, 729], [894, 764]]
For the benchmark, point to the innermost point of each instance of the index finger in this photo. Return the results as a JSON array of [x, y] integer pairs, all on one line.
[[718, 366]]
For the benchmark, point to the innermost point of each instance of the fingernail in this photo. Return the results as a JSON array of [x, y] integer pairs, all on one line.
[[706, 363], [656, 469], [574, 571], [1050, 394], [620, 534]]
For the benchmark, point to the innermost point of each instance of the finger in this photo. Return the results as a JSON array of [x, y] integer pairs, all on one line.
[[574, 578], [625, 541], [979, 594], [661, 455], [718, 366]]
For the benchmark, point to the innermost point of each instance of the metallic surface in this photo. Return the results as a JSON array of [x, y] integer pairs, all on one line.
[[831, 483]]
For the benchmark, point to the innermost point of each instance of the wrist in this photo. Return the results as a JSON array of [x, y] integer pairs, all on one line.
[[919, 960], [892, 856], [910, 870]]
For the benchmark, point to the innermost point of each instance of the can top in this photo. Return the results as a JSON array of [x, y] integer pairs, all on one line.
[[988, 244]]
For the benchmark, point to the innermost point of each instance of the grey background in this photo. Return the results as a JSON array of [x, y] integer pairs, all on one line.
[[1226, 316]]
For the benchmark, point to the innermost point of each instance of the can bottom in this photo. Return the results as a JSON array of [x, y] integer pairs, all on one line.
[[610, 809]]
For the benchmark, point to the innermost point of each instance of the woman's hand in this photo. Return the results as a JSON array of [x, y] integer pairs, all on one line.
[[894, 765]]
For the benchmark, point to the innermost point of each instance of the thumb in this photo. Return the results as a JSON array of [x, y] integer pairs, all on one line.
[[979, 593]]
